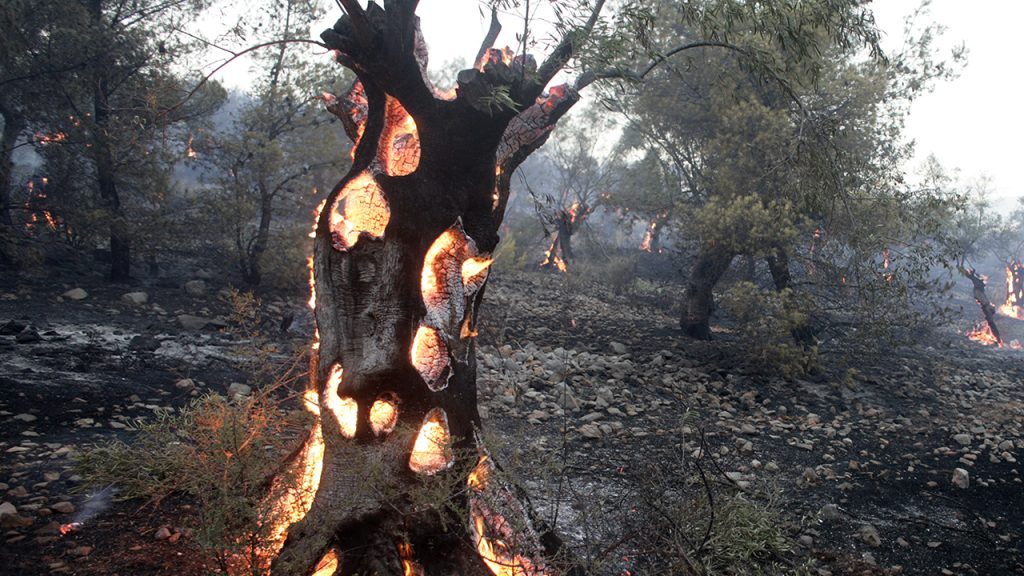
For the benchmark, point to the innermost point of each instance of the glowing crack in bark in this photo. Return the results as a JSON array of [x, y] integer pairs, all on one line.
[[327, 565], [430, 357], [400, 143], [432, 451], [345, 410], [360, 209], [384, 414]]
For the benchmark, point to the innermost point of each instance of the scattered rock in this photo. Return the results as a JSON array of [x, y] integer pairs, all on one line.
[[162, 533], [831, 512], [26, 417], [28, 336], [135, 298], [590, 431], [195, 288], [618, 347], [63, 507], [144, 343], [962, 439], [185, 384], [190, 322], [869, 534], [961, 478], [76, 294], [239, 390], [11, 327]]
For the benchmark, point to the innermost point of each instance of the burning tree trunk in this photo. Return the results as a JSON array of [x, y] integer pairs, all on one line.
[[699, 299], [1014, 305], [559, 253], [400, 263], [987, 308]]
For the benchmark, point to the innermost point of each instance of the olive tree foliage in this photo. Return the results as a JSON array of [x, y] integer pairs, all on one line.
[[92, 86], [264, 166], [796, 159]]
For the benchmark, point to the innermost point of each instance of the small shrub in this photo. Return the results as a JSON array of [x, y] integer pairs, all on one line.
[[766, 323]]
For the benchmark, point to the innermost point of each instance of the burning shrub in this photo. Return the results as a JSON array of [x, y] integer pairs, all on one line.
[[766, 323], [220, 452]]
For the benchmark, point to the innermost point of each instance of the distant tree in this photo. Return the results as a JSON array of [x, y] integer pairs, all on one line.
[[279, 147]]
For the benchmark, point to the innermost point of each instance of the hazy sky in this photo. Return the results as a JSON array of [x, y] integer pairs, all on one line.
[[969, 123]]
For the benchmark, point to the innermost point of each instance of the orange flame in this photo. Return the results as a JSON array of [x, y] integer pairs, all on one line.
[[432, 452], [495, 552], [344, 409], [649, 236], [982, 334], [327, 565], [1014, 305], [430, 356], [409, 566], [189, 151]]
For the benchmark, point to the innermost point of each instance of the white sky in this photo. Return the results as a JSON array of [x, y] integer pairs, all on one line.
[[969, 123]]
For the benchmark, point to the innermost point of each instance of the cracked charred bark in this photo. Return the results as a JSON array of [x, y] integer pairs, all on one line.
[[370, 302]]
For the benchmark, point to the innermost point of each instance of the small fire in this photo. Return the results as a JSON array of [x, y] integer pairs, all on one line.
[[409, 566], [982, 334], [430, 356], [432, 452], [1014, 305], [551, 258], [52, 138], [345, 410], [327, 565], [66, 529], [189, 151], [495, 55], [649, 236], [491, 531]]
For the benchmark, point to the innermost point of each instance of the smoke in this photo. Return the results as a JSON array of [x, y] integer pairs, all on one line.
[[94, 504]]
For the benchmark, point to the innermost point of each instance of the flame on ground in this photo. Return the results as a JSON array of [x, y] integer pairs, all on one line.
[[551, 258], [409, 566], [982, 334], [432, 451]]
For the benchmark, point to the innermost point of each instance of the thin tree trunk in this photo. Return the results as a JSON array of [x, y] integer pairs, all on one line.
[[14, 124], [778, 264], [987, 308], [252, 271], [106, 176], [699, 299]]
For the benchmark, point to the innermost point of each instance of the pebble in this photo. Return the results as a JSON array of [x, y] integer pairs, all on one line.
[[961, 478]]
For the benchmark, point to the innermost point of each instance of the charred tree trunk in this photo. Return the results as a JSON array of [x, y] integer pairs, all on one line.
[[778, 265], [106, 175], [252, 256], [699, 299], [14, 124], [400, 262], [987, 308]]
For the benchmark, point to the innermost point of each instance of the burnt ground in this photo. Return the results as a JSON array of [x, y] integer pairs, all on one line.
[[597, 394]]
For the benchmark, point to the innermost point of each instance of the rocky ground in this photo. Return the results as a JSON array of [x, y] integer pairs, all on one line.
[[904, 463]]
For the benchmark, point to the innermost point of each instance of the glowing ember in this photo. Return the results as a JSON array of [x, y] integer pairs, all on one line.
[[52, 138], [384, 415], [360, 208], [400, 143], [432, 452], [66, 529], [327, 565], [189, 151], [430, 356]]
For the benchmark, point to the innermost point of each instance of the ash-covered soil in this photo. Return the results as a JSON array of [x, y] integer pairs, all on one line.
[[599, 393]]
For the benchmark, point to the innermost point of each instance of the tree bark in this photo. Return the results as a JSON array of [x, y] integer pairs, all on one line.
[[699, 298], [987, 308], [14, 124], [106, 173], [394, 307]]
